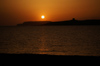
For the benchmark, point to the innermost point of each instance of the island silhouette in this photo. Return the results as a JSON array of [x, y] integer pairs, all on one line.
[[69, 22]]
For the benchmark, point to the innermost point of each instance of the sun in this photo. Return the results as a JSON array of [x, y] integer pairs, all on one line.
[[42, 16]]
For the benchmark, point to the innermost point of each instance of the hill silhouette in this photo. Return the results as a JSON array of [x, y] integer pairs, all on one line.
[[69, 22]]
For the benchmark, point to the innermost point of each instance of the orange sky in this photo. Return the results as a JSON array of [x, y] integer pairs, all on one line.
[[13, 12]]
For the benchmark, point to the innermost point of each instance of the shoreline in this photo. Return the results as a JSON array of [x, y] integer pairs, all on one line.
[[69, 58], [60, 23]]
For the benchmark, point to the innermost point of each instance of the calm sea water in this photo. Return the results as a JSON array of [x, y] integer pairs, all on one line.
[[54, 40]]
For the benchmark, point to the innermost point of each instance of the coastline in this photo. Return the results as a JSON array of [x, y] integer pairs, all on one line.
[[60, 23], [68, 58]]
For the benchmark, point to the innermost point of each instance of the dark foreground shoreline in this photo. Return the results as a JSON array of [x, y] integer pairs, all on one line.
[[53, 58]]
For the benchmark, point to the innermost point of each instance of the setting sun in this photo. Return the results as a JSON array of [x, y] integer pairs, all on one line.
[[42, 16]]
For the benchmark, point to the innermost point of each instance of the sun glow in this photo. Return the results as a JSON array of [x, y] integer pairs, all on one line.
[[42, 16]]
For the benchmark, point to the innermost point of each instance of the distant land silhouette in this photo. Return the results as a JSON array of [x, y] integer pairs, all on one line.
[[69, 22]]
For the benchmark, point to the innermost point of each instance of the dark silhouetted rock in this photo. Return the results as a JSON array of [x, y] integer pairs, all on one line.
[[70, 22]]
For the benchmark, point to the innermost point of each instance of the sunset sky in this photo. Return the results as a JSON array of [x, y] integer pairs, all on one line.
[[13, 12]]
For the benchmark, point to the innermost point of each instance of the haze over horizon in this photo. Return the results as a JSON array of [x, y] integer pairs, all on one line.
[[13, 12]]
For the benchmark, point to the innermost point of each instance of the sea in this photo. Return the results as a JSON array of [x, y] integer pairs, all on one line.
[[52, 40]]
